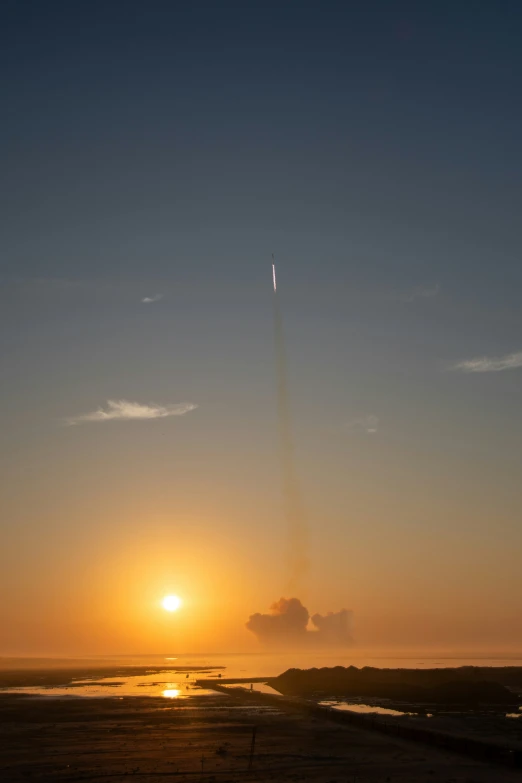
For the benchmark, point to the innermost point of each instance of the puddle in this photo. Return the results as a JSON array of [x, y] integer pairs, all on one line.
[[259, 687], [365, 708]]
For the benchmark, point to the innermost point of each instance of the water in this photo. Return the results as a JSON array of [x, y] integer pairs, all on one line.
[[260, 664], [168, 683], [365, 708], [259, 687], [270, 664]]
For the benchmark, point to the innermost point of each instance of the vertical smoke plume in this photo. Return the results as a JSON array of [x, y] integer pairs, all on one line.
[[293, 506]]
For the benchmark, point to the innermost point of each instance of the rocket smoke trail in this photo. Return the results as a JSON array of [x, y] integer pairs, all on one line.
[[293, 507]]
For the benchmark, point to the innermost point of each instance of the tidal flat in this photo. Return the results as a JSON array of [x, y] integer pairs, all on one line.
[[206, 737]]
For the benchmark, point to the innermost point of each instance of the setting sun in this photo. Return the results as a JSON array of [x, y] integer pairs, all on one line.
[[171, 603]]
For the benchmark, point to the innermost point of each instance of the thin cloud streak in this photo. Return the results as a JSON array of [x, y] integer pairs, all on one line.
[[124, 410], [368, 424], [420, 292], [151, 299], [511, 361]]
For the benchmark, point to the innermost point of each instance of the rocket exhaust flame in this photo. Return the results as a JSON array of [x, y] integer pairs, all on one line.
[[293, 506]]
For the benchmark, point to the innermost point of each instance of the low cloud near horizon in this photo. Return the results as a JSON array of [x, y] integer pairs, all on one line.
[[151, 299], [287, 623], [125, 410], [511, 361]]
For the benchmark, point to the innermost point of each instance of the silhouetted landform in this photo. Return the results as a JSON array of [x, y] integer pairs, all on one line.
[[467, 685], [7, 663], [97, 684]]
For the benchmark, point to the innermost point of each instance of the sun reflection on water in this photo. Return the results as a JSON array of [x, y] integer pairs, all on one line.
[[171, 693]]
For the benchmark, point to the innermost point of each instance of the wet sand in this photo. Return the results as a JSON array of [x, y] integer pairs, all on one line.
[[208, 739]]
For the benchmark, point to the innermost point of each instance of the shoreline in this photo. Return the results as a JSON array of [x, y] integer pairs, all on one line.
[[197, 694]]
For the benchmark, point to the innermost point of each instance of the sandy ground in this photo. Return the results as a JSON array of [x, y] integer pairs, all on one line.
[[208, 739]]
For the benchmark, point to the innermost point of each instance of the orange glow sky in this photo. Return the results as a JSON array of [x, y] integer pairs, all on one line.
[[154, 160], [94, 557]]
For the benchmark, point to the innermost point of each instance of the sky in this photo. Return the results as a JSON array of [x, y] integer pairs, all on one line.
[[154, 155]]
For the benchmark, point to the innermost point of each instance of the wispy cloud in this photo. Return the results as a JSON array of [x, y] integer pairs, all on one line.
[[420, 292], [125, 410], [151, 299], [490, 364], [368, 424]]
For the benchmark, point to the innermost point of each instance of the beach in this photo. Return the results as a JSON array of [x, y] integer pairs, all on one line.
[[208, 738], [193, 718]]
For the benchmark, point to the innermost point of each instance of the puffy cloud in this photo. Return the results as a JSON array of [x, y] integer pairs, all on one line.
[[334, 627], [288, 621], [125, 410]]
